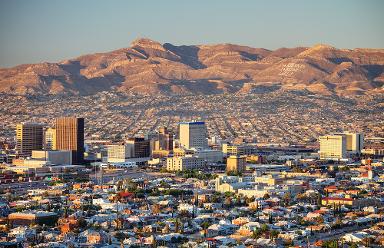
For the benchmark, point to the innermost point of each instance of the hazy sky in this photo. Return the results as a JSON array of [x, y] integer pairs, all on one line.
[[52, 30]]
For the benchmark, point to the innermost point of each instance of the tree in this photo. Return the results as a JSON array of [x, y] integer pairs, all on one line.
[[330, 244], [319, 200], [287, 198], [256, 233], [228, 202], [264, 228], [353, 245], [166, 229], [205, 226], [301, 197], [156, 209], [270, 219], [185, 214], [274, 234], [177, 226], [82, 223], [120, 236]]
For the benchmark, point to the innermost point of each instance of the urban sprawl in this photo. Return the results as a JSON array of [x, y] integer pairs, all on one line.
[[163, 173]]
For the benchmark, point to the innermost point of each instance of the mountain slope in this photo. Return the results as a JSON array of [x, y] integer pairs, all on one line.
[[148, 67]]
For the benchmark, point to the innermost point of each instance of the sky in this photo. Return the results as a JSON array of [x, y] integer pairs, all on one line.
[[51, 30]]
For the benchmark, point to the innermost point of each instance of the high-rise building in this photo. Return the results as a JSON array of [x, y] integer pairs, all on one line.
[[355, 142], [161, 143], [50, 139], [29, 136], [119, 153], [70, 136], [193, 135], [164, 140], [132, 148], [333, 147], [140, 147], [236, 163]]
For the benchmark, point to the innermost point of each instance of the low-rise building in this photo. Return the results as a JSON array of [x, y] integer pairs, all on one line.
[[184, 163], [28, 218], [236, 163]]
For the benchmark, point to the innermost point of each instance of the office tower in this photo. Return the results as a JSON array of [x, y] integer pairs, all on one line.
[[236, 164], [50, 139], [29, 136], [118, 153], [193, 135], [70, 136], [164, 140], [355, 142], [162, 143], [140, 148], [333, 147]]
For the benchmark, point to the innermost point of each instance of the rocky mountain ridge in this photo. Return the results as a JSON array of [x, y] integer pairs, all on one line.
[[148, 67]]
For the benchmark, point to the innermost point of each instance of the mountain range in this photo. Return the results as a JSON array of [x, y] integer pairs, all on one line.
[[149, 67]]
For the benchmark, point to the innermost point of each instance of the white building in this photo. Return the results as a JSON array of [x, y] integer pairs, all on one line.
[[119, 153], [210, 156], [333, 147], [355, 142], [184, 163], [54, 157], [193, 135], [340, 145]]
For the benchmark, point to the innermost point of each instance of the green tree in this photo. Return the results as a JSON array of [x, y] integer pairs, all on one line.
[[274, 234], [287, 198], [205, 226], [257, 233], [264, 228]]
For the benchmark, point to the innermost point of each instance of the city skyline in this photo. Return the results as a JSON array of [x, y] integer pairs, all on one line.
[[206, 124]]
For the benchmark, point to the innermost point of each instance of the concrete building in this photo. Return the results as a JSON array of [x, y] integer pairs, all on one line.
[[333, 147], [224, 183], [162, 143], [29, 136], [341, 145], [184, 163], [269, 179], [70, 136], [135, 150], [140, 147], [50, 139], [54, 157], [164, 140], [355, 142], [236, 163], [237, 150], [193, 135], [119, 153], [210, 156], [32, 218], [30, 163]]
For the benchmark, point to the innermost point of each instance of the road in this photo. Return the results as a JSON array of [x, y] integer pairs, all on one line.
[[119, 175], [336, 234], [107, 177], [19, 186]]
